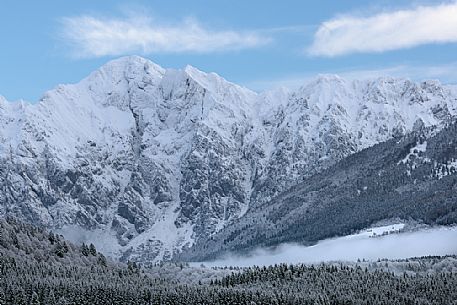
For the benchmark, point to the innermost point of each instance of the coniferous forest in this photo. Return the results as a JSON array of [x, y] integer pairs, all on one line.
[[39, 267]]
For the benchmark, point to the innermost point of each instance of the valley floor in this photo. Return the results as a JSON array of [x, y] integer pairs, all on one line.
[[38, 267], [394, 241]]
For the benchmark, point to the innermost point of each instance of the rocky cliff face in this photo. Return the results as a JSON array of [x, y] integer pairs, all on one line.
[[412, 179], [145, 161]]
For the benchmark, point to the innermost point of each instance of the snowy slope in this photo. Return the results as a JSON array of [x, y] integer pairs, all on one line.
[[155, 158]]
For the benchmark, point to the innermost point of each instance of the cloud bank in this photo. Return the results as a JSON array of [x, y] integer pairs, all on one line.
[[96, 37], [386, 31], [438, 241]]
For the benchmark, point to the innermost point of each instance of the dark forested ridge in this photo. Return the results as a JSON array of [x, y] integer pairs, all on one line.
[[413, 178], [37, 267]]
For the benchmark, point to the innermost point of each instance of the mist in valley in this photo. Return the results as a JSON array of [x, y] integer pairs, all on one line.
[[427, 242]]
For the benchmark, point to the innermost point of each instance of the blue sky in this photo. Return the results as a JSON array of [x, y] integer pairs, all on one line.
[[259, 44]]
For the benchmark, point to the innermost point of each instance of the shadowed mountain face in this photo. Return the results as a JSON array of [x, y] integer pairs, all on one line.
[[413, 178], [152, 160]]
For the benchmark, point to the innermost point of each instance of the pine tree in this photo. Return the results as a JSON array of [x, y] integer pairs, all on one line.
[[61, 248], [2, 297], [34, 300], [101, 260], [51, 238], [92, 250], [84, 250], [62, 301]]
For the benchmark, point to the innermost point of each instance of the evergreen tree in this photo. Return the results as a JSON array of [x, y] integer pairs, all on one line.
[[52, 238], [84, 250], [92, 250], [102, 260]]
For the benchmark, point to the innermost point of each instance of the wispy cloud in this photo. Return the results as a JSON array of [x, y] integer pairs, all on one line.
[[95, 37], [386, 31]]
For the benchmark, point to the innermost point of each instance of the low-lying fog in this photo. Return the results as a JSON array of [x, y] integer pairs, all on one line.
[[436, 241]]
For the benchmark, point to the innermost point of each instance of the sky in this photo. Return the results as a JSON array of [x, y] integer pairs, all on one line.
[[258, 44]]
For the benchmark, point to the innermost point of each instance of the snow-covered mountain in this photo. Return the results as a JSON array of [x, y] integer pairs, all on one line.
[[146, 161]]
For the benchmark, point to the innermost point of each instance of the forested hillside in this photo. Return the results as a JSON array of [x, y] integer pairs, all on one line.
[[37, 267], [329, 284]]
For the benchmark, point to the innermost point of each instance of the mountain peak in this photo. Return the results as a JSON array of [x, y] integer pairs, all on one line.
[[111, 83], [207, 80], [132, 61], [130, 67], [329, 77], [218, 85]]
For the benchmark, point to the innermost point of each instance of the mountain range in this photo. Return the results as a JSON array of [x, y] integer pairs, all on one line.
[[152, 163]]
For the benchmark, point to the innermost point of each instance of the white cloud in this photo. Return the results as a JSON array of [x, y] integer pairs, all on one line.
[[386, 31], [96, 37]]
